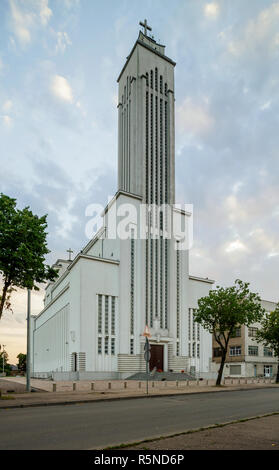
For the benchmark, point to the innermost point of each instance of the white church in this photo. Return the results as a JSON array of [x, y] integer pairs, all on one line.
[[95, 314]]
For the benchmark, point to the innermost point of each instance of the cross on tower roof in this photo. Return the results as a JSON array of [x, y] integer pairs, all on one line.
[[70, 251], [145, 26]]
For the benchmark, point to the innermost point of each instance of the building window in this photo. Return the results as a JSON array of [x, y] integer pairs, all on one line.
[[236, 333], [106, 345], [217, 352], [99, 345], [268, 352], [156, 79], [151, 79], [113, 315], [161, 84], [198, 350], [177, 348], [235, 351], [189, 349], [106, 314], [131, 346], [112, 346], [194, 349], [252, 332], [147, 79], [189, 323], [99, 314], [253, 350], [177, 290]]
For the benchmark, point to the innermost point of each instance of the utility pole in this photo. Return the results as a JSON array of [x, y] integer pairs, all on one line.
[[3, 358], [28, 355]]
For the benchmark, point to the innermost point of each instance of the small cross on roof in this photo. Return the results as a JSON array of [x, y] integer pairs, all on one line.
[[145, 26], [70, 251]]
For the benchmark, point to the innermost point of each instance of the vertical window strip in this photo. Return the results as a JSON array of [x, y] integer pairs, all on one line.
[[106, 345], [161, 84], [151, 79], [132, 346], [198, 350], [99, 313], [156, 79], [113, 315], [106, 314], [112, 346], [166, 152], [161, 282], [99, 345], [177, 290], [166, 283], [132, 274]]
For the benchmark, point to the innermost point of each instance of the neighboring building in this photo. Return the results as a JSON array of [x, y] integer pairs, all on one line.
[[246, 357], [94, 316]]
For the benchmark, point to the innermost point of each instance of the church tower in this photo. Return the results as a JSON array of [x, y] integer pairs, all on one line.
[[146, 160], [146, 123]]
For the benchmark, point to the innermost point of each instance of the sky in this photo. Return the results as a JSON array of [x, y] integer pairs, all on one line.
[[59, 62]]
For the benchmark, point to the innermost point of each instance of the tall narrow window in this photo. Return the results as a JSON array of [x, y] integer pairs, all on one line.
[[113, 315], [106, 314], [151, 79], [147, 79], [156, 79], [112, 346], [99, 314], [132, 274], [161, 84], [177, 290]]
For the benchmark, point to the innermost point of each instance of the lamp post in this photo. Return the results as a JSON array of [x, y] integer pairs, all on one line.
[[3, 358], [147, 353], [28, 355]]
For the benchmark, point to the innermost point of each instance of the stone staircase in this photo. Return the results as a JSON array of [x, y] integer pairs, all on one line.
[[154, 376]]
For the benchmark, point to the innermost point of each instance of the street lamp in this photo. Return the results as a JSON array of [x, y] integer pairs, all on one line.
[[147, 354]]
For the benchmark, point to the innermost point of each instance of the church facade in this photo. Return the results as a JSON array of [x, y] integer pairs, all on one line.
[[135, 271]]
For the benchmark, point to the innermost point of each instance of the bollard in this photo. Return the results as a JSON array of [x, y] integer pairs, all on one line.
[[198, 382], [207, 382], [125, 384], [54, 387], [92, 385], [74, 386], [188, 383], [152, 384], [109, 385], [139, 384], [177, 383]]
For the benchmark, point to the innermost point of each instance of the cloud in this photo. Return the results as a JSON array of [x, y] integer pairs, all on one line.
[[7, 121], [61, 89], [260, 34], [235, 246], [211, 10], [63, 41], [193, 118], [7, 106], [26, 16]]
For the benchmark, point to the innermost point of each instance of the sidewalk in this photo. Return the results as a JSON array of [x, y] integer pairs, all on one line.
[[20, 400], [259, 433]]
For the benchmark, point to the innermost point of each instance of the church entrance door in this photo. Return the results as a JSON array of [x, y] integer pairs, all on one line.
[[157, 357]]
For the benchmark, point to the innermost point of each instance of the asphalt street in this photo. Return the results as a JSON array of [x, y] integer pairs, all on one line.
[[98, 425]]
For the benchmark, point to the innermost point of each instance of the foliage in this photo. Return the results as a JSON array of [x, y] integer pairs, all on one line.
[[224, 310], [21, 362], [22, 250], [268, 334]]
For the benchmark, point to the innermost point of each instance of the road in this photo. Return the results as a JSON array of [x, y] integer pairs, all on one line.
[[97, 425]]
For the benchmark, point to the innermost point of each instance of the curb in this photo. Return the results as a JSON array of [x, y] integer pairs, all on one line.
[[86, 401]]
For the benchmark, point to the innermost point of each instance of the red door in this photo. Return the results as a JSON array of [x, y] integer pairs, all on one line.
[[157, 357]]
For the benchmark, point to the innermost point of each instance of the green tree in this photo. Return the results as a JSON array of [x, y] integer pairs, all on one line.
[[268, 334], [224, 310], [22, 250], [4, 361], [21, 362]]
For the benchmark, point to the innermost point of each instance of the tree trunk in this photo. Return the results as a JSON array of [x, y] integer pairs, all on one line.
[[277, 376], [220, 372], [3, 297]]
